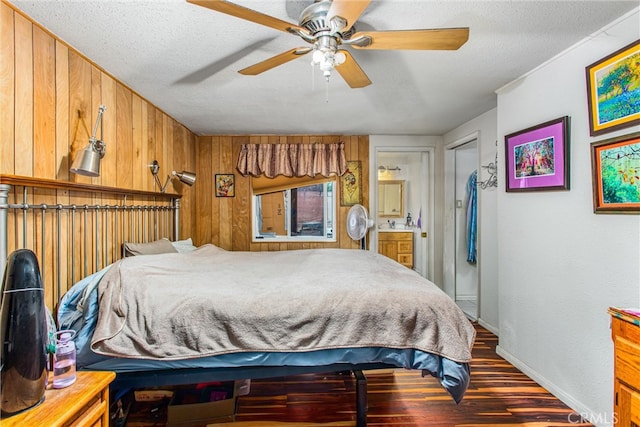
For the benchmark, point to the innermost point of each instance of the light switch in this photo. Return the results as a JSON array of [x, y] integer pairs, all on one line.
[[458, 203]]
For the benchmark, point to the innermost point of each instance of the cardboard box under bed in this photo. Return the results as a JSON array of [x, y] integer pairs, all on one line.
[[202, 403]]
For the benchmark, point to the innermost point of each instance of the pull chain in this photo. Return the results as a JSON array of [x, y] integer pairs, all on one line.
[[327, 90]]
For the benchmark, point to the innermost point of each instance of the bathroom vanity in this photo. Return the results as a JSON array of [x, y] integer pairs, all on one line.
[[397, 244]]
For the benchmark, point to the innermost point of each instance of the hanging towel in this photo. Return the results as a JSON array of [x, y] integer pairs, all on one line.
[[472, 216]]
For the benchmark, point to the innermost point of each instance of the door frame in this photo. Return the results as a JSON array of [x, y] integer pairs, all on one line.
[[449, 244]]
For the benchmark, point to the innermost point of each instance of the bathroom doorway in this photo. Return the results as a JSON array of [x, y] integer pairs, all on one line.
[[413, 167]]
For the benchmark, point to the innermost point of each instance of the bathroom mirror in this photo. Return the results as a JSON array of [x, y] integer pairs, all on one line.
[[391, 199]]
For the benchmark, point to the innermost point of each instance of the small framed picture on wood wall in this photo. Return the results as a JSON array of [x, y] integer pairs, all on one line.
[[351, 184], [225, 185]]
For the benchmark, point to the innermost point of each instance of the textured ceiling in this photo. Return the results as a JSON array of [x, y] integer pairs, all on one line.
[[184, 59]]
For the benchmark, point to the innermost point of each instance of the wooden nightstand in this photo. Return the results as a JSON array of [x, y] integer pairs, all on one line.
[[84, 403], [625, 330]]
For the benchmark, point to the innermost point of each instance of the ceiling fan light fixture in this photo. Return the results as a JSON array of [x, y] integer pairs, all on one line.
[[326, 55], [325, 60], [328, 24], [326, 66], [318, 57]]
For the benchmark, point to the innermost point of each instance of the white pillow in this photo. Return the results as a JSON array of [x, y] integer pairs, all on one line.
[[183, 246]]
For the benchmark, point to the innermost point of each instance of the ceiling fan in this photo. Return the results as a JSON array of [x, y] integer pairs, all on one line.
[[327, 25]]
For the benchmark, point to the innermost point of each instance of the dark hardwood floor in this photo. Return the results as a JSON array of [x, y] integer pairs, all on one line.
[[499, 395]]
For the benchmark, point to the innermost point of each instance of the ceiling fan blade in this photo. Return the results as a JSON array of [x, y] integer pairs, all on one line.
[[246, 13], [436, 39], [349, 10], [351, 72], [274, 61]]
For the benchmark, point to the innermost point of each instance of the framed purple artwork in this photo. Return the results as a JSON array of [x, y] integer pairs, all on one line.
[[537, 158]]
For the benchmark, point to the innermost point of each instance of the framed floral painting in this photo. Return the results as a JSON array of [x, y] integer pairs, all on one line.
[[225, 185], [351, 184]]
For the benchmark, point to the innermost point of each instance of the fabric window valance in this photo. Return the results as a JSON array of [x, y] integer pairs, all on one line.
[[292, 160]]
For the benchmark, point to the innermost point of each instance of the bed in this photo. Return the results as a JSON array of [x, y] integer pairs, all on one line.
[[205, 314]]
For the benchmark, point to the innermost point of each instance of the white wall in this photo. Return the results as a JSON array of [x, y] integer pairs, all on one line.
[[561, 265], [483, 128]]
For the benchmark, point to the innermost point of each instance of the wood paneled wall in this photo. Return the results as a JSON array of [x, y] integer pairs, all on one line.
[[49, 105], [226, 221], [49, 101], [49, 98]]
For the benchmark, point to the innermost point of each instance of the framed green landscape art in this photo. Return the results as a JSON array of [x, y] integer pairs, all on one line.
[[613, 89], [615, 164]]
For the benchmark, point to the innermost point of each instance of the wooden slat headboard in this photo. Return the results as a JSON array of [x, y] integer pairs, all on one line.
[[77, 229]]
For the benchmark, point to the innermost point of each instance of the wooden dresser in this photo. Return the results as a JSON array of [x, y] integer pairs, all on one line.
[[397, 245], [625, 330], [84, 403]]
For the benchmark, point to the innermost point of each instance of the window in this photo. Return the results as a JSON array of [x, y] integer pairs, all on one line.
[[294, 210]]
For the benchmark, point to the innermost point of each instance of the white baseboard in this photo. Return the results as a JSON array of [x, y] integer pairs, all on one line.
[[488, 327], [567, 399]]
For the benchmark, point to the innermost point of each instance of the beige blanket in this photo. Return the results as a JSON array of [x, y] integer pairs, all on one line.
[[212, 301]]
